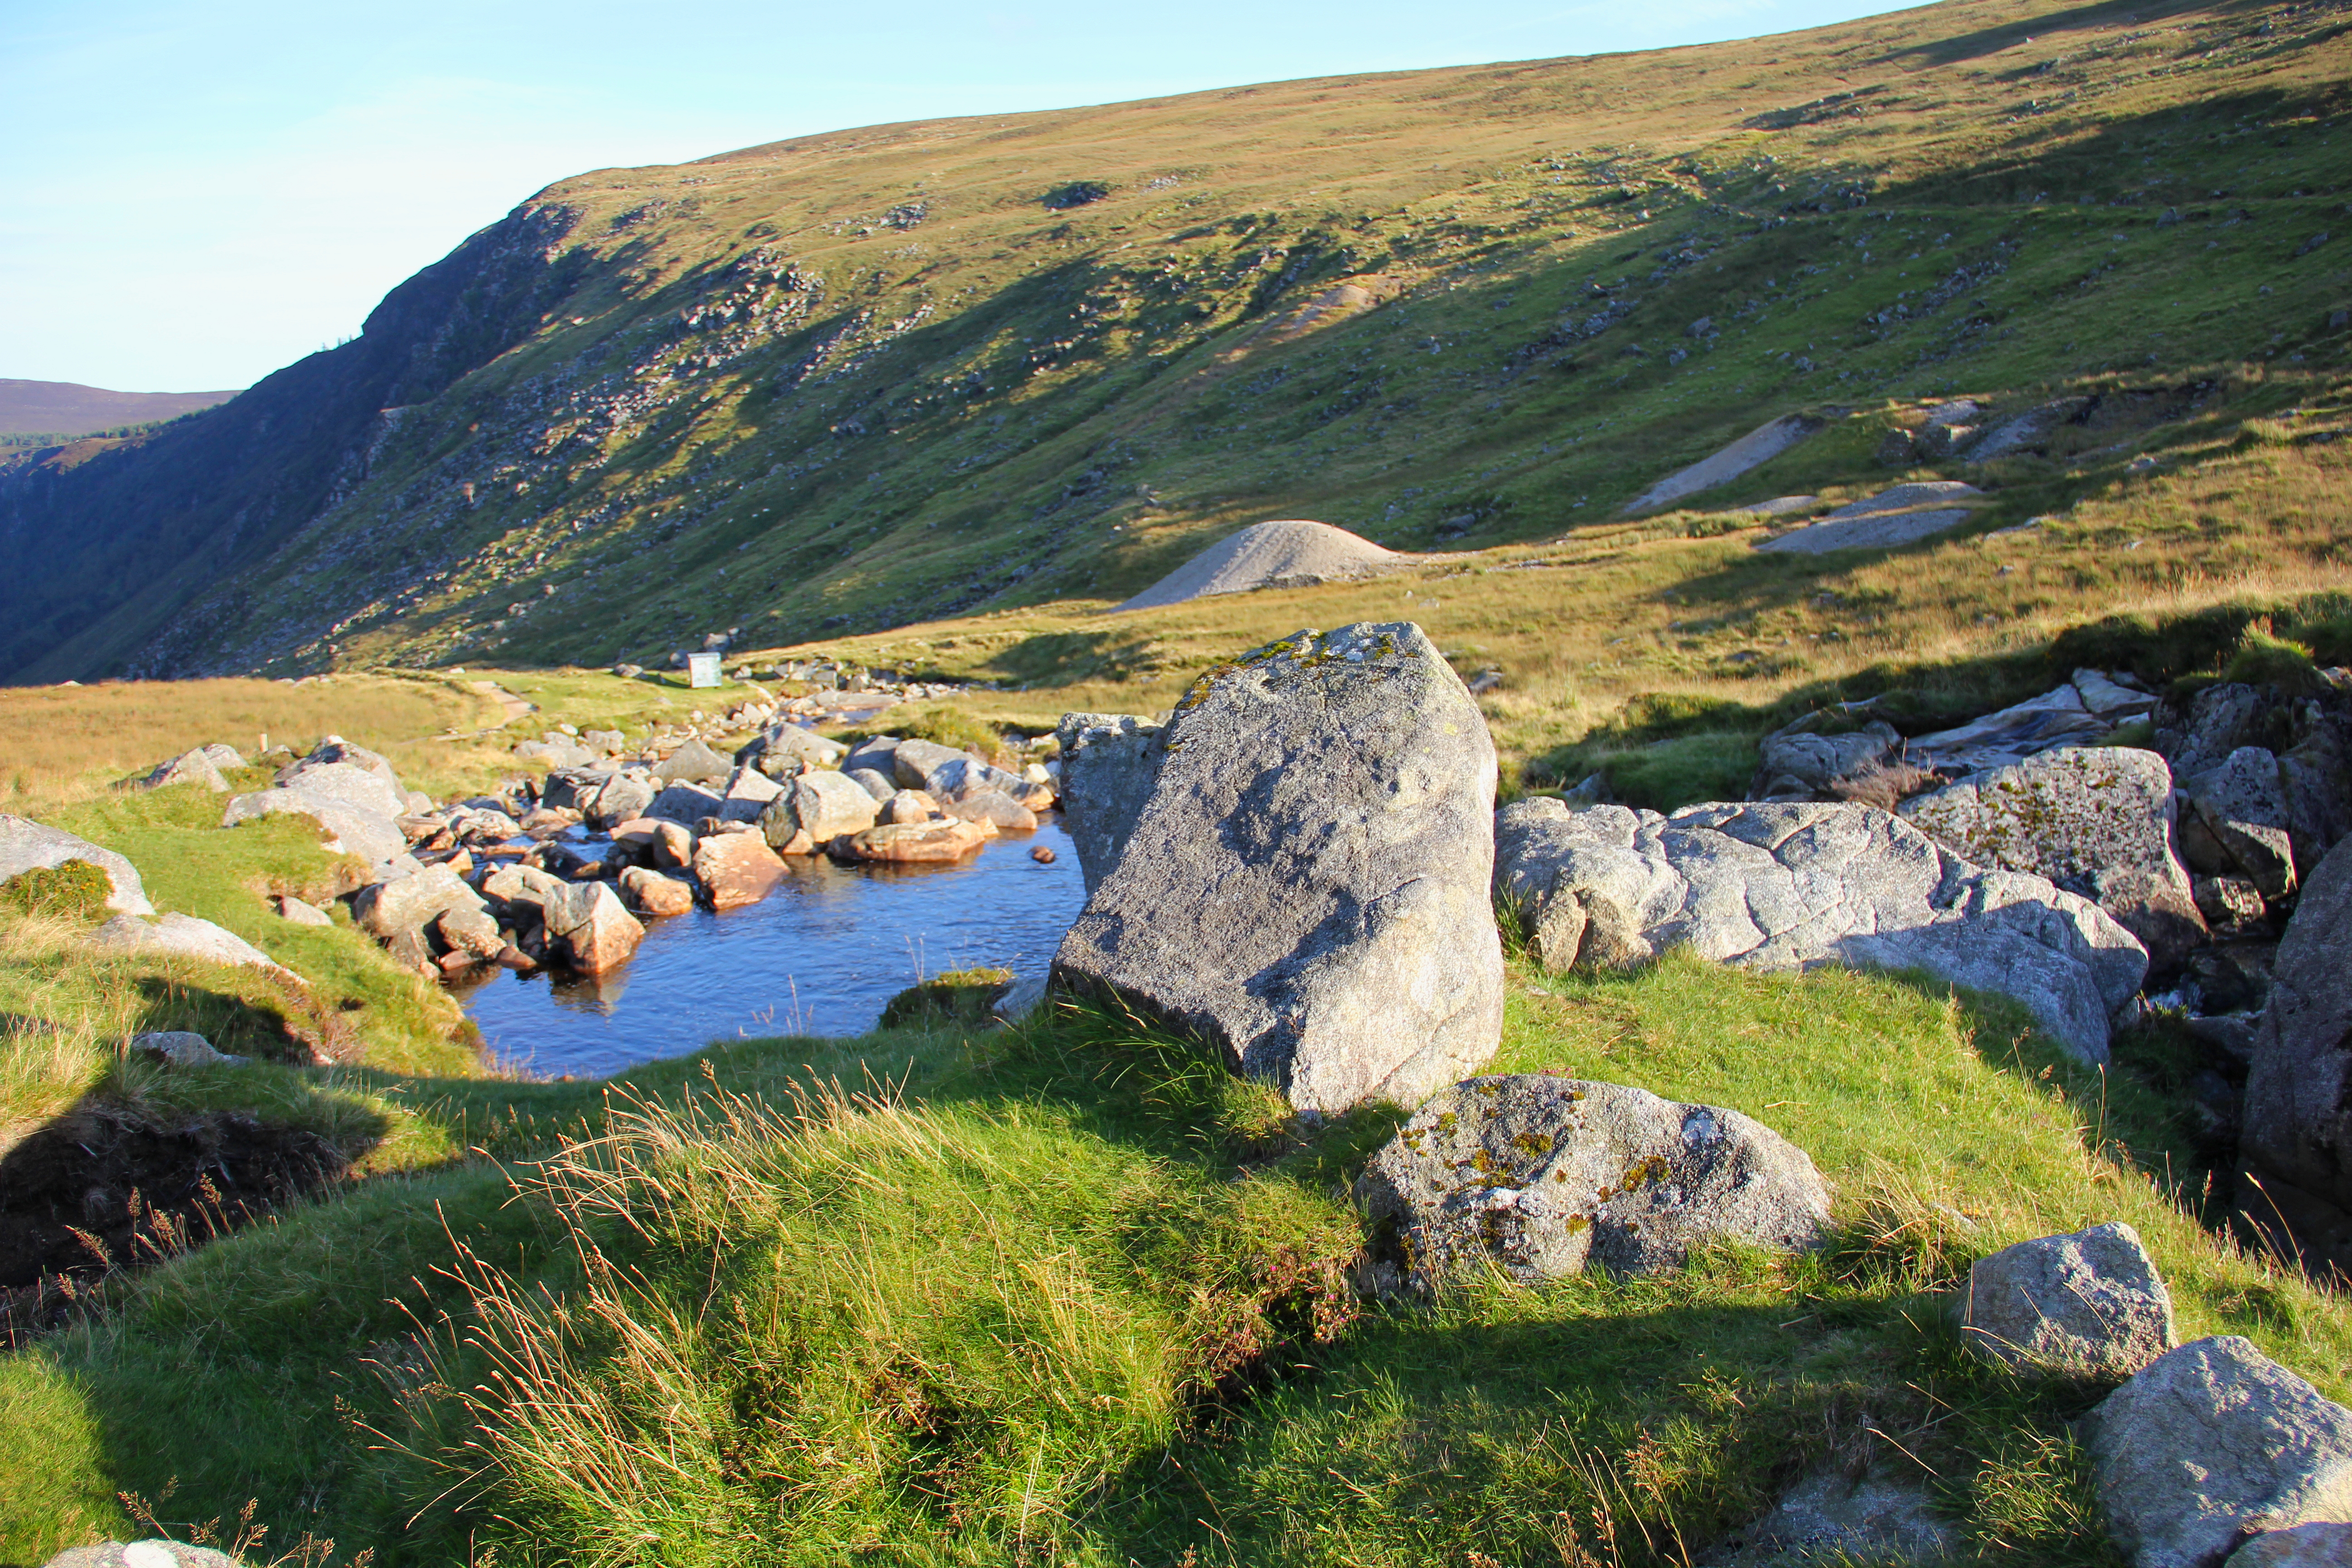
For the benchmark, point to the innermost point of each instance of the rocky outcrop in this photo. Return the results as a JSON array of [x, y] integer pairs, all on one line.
[[2086, 1305], [1779, 887], [2096, 821], [1902, 515], [1541, 1176], [26, 845], [2296, 1139], [1109, 762], [1306, 886], [2212, 1442]]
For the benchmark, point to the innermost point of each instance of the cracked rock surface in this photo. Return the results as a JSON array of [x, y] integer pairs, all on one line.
[[1306, 885], [1780, 886]]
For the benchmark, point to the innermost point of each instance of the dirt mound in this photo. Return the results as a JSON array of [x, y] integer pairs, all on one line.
[[1286, 555]]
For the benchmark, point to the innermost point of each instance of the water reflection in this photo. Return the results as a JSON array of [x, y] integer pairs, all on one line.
[[819, 956]]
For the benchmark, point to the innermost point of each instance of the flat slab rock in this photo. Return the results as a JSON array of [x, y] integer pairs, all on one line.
[[1781, 888], [2213, 1442], [1306, 885], [184, 936], [1543, 1175], [2087, 1304], [1902, 515]]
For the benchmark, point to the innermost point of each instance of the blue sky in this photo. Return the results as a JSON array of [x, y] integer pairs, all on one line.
[[200, 193]]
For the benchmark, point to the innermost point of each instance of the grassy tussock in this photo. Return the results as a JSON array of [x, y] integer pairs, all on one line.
[[859, 1322]]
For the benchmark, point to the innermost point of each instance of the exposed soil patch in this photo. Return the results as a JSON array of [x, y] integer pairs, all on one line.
[[98, 1192]]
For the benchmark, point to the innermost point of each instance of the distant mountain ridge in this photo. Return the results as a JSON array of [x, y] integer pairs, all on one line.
[[69, 408], [904, 372]]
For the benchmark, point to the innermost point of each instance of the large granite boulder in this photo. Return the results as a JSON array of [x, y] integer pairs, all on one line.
[[1785, 887], [1109, 762], [26, 846], [2212, 1442], [2085, 709], [1541, 1176], [2097, 821], [824, 805], [2295, 1141], [912, 762], [352, 783], [1306, 889], [2315, 773], [2240, 821], [2090, 1304], [359, 831], [576, 789], [625, 797]]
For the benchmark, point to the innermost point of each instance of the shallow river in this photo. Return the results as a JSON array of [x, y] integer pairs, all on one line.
[[819, 956]]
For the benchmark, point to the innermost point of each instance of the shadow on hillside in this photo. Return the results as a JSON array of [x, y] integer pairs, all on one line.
[[2082, 18], [1063, 659], [111, 1188]]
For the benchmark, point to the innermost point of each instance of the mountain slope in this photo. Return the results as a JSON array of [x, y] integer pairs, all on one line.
[[856, 380], [69, 408]]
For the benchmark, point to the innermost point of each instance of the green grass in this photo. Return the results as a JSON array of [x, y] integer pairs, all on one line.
[[1010, 405], [1068, 1292]]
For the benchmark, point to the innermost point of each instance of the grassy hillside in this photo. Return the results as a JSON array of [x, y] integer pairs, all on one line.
[[859, 380]]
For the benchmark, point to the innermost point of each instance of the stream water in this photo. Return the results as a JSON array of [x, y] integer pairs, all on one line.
[[819, 956]]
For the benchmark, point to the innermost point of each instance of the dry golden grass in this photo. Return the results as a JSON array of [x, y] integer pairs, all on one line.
[[72, 740], [1585, 626]]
